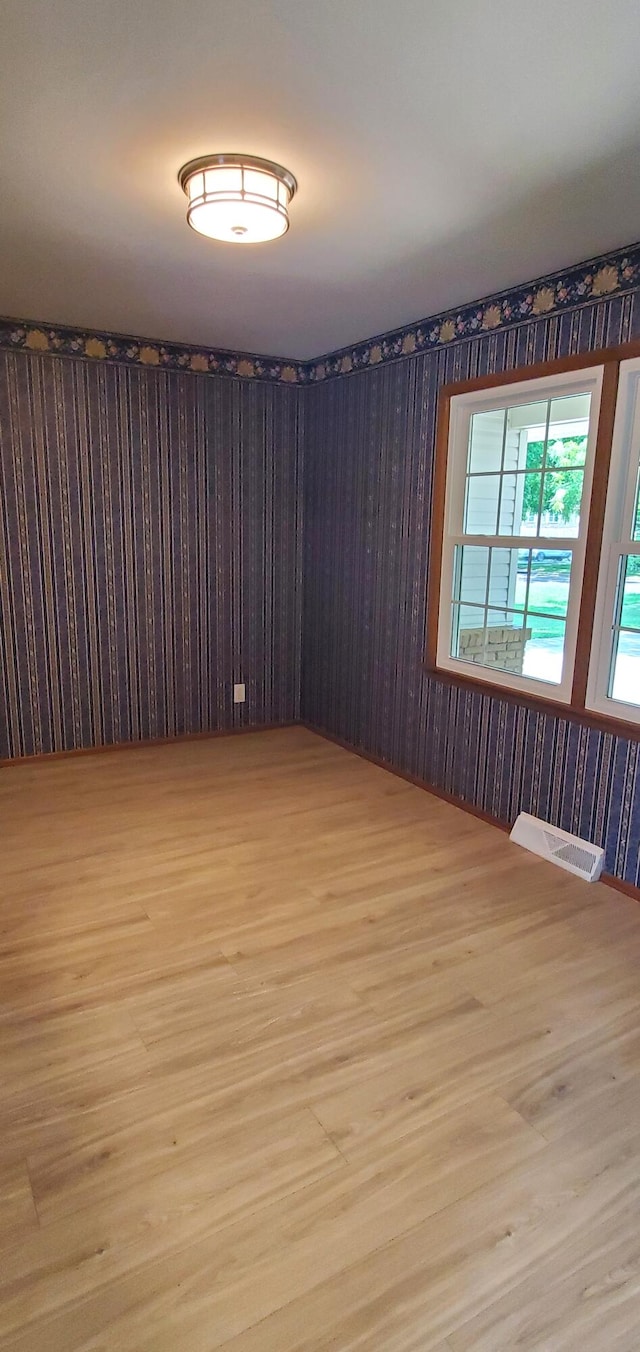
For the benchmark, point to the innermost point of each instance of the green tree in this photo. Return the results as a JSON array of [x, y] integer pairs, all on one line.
[[562, 490]]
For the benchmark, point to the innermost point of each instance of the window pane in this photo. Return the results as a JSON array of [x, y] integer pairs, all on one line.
[[544, 651], [570, 408], [481, 511], [474, 564], [494, 505], [549, 583], [525, 468], [524, 416], [505, 640], [534, 647], [531, 505], [566, 452], [561, 498], [503, 578], [471, 617], [522, 628], [510, 509], [486, 435], [535, 455], [635, 533], [630, 608], [568, 429], [467, 633], [471, 567], [625, 673]]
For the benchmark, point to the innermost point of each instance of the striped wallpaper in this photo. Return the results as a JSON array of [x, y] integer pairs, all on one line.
[[368, 462], [149, 552]]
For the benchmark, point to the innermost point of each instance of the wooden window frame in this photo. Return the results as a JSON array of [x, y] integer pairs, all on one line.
[[576, 708]]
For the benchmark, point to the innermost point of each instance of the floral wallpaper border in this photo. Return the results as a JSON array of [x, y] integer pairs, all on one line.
[[586, 283], [608, 275], [25, 335]]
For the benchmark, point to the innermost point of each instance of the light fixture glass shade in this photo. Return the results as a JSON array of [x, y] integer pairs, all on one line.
[[237, 198]]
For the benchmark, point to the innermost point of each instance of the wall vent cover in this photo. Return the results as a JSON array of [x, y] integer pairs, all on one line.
[[570, 852]]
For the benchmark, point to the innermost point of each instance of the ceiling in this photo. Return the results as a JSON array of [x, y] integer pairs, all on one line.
[[444, 149]]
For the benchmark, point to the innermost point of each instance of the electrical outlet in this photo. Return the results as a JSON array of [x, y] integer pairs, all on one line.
[[239, 694]]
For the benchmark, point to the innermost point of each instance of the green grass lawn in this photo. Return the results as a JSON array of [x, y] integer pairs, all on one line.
[[549, 592]]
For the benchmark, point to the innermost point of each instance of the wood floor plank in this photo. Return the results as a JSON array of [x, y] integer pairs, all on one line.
[[285, 1069], [17, 1209], [406, 1295], [587, 1296], [183, 1159], [322, 1229]]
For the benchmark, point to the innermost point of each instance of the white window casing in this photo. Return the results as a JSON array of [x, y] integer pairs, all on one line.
[[462, 408]]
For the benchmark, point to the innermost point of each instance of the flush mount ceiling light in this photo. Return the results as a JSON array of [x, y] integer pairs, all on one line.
[[237, 198]]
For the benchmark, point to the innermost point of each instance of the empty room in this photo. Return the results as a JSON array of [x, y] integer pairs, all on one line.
[[319, 676]]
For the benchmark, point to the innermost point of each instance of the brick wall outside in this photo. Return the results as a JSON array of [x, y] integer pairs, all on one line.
[[504, 647]]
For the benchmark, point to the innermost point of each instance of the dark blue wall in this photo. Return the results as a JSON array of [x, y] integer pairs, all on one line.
[[150, 552], [369, 456]]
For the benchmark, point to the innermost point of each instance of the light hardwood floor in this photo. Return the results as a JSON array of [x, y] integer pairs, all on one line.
[[298, 1058]]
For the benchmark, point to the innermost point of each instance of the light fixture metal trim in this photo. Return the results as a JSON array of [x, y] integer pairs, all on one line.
[[239, 207]]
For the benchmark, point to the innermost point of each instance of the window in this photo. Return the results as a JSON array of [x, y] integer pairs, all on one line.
[[519, 475], [534, 586], [614, 675]]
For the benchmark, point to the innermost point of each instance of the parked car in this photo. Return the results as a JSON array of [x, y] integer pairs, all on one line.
[[541, 554]]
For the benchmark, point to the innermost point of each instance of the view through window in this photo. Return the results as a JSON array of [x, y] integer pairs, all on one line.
[[524, 478]]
